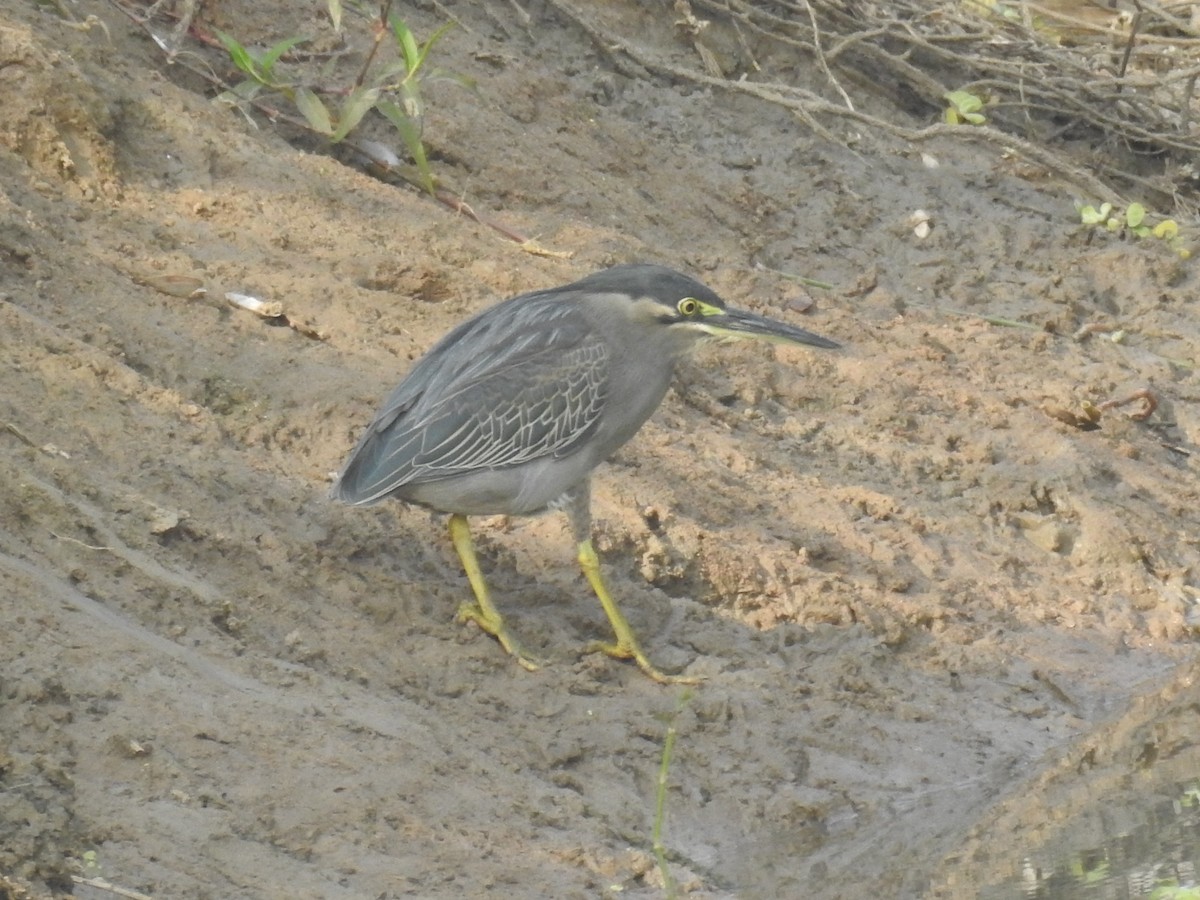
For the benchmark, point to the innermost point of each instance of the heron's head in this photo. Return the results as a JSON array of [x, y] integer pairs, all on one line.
[[684, 312]]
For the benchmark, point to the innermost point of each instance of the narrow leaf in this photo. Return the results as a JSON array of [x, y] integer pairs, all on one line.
[[428, 45], [407, 43], [237, 53], [410, 133], [314, 111], [357, 105], [272, 55]]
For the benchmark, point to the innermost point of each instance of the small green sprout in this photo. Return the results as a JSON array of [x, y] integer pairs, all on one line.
[[964, 107], [260, 66], [1167, 229], [1089, 215], [670, 888], [1133, 220]]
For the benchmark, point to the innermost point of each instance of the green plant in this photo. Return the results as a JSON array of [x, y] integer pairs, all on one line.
[[963, 107], [394, 90], [1132, 220], [408, 115], [260, 66], [660, 797]]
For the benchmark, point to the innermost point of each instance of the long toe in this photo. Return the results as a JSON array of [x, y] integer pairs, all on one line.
[[633, 652], [497, 628]]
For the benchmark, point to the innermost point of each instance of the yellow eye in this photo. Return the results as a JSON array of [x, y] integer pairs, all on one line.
[[688, 306]]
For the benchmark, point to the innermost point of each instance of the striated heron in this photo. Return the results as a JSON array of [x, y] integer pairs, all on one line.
[[512, 410]]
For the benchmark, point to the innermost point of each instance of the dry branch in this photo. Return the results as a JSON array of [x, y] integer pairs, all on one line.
[[1100, 100]]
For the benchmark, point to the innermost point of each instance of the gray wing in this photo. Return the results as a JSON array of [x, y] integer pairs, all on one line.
[[518, 383]]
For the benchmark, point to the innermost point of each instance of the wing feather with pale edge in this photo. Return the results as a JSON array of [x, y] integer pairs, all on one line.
[[507, 388]]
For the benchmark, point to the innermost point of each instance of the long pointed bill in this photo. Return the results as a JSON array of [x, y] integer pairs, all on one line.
[[737, 324]]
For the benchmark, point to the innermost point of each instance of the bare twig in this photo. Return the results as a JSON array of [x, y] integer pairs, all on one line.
[[13, 429], [71, 540], [1145, 395], [380, 30], [1133, 30], [101, 885], [816, 42], [1116, 80]]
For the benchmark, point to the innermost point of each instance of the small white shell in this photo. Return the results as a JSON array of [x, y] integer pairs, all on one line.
[[268, 309]]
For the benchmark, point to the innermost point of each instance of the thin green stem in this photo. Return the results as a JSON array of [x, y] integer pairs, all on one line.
[[670, 888]]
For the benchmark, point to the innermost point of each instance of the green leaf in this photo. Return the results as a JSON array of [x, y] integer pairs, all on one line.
[[964, 107], [314, 111], [1089, 215], [268, 59], [1166, 229], [335, 14], [360, 101], [1135, 214], [409, 130], [428, 45], [1140, 230], [238, 54], [410, 133], [964, 101], [407, 43]]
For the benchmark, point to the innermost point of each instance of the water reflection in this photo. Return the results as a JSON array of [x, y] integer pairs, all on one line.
[[1156, 858], [1118, 817]]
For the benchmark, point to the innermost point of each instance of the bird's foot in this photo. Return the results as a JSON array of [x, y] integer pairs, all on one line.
[[621, 650], [494, 625]]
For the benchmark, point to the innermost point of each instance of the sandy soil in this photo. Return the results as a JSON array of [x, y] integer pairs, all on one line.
[[918, 598]]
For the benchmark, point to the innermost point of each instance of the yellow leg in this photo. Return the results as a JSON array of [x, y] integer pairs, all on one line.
[[626, 646], [483, 613]]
